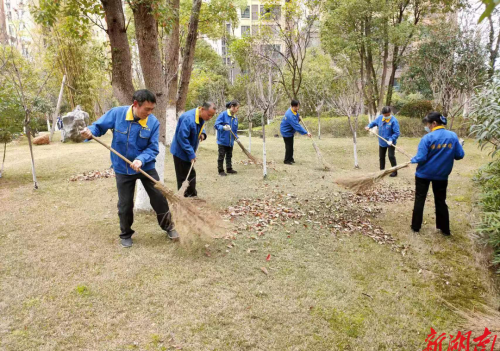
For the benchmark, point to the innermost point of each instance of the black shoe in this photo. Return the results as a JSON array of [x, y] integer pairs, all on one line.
[[293, 161], [126, 243], [394, 174], [288, 163], [231, 171], [173, 235], [222, 174], [413, 230]]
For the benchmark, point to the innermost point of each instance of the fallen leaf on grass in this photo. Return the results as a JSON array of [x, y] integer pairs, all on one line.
[[263, 269], [268, 257]]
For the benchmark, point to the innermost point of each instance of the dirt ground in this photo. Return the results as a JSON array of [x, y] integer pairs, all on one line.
[[305, 266]]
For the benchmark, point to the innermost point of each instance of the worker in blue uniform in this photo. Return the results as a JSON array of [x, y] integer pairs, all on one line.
[[226, 123], [436, 154], [289, 126], [388, 128]]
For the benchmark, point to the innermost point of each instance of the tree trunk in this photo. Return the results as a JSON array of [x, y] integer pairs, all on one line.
[[58, 108], [384, 69], [121, 63], [33, 171], [390, 85], [3, 161], [250, 136], [319, 125], [355, 149], [146, 29], [264, 154], [4, 38], [172, 46], [188, 56]]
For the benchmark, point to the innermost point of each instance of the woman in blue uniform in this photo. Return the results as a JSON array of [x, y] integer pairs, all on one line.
[[437, 152], [388, 128], [225, 123]]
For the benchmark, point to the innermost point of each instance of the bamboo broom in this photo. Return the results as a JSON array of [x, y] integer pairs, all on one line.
[[249, 155], [198, 226], [326, 166], [397, 148], [365, 182], [186, 182]]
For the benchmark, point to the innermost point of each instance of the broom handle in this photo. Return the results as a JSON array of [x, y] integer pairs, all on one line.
[[192, 163], [397, 148], [235, 137], [304, 123], [124, 159]]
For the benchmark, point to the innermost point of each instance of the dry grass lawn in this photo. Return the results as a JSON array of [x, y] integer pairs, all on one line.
[[66, 284]]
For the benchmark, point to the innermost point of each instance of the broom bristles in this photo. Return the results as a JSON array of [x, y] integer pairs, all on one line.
[[184, 186], [197, 226], [364, 182], [246, 152], [326, 165]]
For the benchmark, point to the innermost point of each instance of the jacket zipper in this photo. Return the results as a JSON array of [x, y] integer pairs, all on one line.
[[126, 153]]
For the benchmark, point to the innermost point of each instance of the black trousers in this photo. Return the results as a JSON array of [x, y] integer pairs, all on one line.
[[227, 152], [439, 190], [392, 156], [288, 149], [181, 171], [126, 188]]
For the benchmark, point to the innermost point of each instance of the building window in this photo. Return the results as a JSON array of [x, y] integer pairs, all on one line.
[[255, 12], [246, 13], [245, 31], [277, 12], [224, 49], [228, 27]]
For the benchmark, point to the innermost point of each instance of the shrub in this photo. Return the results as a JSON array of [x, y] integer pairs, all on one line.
[[489, 179], [416, 109]]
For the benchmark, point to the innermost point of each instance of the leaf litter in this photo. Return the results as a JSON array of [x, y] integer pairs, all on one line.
[[93, 175], [339, 213]]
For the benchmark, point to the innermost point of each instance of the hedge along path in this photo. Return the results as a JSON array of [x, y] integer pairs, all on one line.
[[199, 226], [326, 166]]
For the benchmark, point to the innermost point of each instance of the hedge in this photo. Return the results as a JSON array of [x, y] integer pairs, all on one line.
[[338, 127]]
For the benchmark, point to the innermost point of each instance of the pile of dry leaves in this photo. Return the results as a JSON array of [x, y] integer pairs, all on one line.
[[93, 175], [340, 213]]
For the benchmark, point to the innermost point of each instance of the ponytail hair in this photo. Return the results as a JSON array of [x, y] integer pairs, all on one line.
[[232, 103], [435, 117]]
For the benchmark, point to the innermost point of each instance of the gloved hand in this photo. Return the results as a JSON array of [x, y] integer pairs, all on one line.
[[462, 141], [389, 143], [227, 127]]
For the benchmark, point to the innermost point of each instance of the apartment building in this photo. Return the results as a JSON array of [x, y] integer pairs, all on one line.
[[252, 19], [16, 25]]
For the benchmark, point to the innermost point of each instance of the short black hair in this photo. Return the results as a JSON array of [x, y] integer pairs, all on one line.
[[435, 117], [208, 104], [232, 103], [295, 103], [386, 109], [144, 95]]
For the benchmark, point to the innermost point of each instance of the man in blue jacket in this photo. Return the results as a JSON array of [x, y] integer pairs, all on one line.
[[436, 154], [388, 128], [189, 133], [135, 136], [225, 123], [289, 126]]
